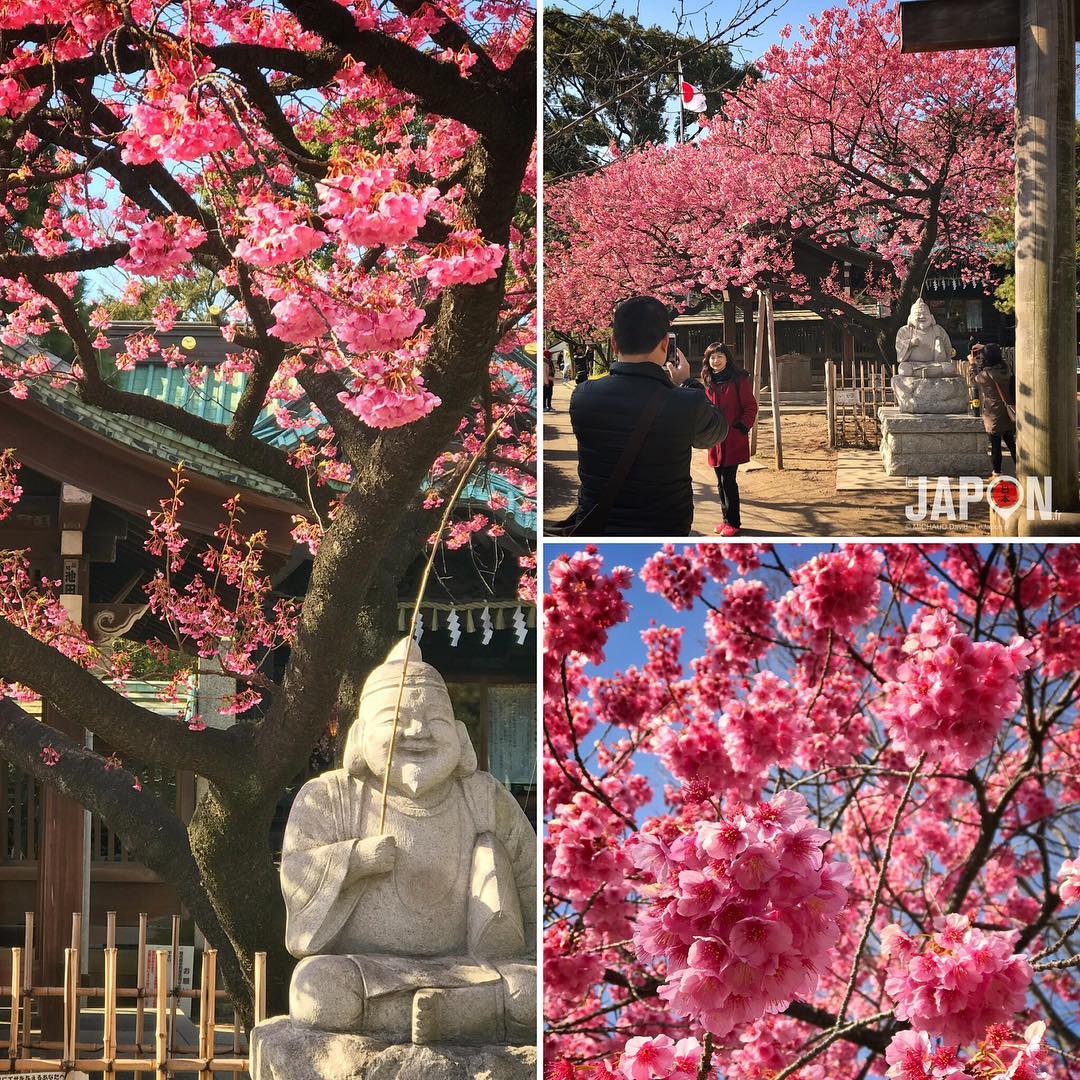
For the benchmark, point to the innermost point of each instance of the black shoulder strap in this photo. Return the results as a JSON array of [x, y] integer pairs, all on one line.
[[595, 521]]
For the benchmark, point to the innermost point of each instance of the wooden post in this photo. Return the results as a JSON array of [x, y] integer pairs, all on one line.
[[28, 980], [140, 984], [260, 987], [60, 882], [16, 994], [109, 1037], [207, 1011], [70, 1006], [161, 1001], [1046, 248], [830, 401], [174, 982], [747, 306], [729, 319], [759, 350], [774, 380]]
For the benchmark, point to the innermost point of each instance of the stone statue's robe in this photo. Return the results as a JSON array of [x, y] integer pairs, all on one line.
[[928, 349], [408, 928]]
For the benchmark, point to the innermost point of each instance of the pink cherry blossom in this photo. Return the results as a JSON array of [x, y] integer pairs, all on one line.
[[1069, 881], [275, 235], [962, 981], [952, 695]]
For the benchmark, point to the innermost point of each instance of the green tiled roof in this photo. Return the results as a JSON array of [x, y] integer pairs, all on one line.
[[215, 401], [150, 438]]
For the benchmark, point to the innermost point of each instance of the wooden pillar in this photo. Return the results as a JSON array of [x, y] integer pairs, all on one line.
[[830, 401], [60, 882], [729, 319], [759, 355], [847, 346], [747, 306], [1045, 248], [61, 869]]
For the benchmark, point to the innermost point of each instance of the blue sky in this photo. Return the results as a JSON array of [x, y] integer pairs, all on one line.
[[624, 641], [701, 17], [624, 645]]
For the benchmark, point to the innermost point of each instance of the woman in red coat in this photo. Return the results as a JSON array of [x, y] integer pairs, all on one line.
[[728, 386]]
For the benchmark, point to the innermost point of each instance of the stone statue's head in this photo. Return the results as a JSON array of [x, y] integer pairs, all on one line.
[[431, 747], [920, 315]]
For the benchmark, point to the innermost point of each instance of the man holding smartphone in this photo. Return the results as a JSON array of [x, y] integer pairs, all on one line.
[[636, 430]]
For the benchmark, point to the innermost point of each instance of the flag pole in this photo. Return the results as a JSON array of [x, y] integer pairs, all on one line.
[[679, 91]]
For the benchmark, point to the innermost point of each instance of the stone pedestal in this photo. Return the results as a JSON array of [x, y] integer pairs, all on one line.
[[282, 1049], [933, 444], [938, 396]]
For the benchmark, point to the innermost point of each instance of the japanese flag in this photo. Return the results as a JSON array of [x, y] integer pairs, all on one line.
[[692, 98]]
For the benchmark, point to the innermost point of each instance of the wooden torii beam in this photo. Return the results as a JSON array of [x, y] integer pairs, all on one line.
[[1044, 33]]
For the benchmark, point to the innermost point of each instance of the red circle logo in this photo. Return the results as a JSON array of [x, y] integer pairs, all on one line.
[[1004, 495]]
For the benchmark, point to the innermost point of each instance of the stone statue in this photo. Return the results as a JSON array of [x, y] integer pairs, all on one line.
[[930, 431], [425, 932], [923, 348]]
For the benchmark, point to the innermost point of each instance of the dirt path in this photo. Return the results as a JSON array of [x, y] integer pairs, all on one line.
[[799, 501]]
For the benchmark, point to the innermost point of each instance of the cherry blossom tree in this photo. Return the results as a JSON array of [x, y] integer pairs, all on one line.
[[824, 824], [356, 179], [845, 150]]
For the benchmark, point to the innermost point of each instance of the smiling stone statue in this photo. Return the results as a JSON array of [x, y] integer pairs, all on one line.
[[424, 932]]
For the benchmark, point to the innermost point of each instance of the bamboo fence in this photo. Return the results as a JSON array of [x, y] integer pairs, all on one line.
[[155, 1049]]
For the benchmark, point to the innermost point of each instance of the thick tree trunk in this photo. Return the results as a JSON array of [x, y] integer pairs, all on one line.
[[230, 840]]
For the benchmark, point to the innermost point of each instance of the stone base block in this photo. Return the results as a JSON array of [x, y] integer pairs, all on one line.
[[284, 1050], [938, 396], [932, 444]]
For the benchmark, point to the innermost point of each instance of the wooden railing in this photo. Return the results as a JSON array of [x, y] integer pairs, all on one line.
[[156, 1048], [854, 391]]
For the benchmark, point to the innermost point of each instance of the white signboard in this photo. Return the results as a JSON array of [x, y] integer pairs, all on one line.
[[54, 1076], [187, 971], [847, 397]]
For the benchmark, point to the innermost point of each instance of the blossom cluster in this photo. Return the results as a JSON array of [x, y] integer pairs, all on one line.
[[911, 1055], [834, 592], [957, 982], [744, 912], [582, 604], [952, 694], [163, 246], [10, 489]]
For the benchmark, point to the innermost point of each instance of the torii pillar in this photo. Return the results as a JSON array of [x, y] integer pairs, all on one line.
[[1044, 35]]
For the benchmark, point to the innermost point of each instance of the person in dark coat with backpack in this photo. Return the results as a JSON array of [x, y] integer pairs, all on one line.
[[997, 397], [650, 402], [728, 386]]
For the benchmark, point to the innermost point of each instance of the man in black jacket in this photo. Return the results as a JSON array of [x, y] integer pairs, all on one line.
[[657, 498]]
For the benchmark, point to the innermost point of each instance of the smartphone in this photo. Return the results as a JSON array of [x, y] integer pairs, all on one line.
[[671, 348]]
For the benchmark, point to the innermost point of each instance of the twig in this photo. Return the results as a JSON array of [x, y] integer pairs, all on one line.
[[450, 504], [868, 926]]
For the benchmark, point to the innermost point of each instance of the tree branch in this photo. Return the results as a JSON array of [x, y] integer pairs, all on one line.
[[80, 695]]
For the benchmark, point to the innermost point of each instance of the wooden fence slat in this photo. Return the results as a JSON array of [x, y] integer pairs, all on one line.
[[28, 981], [260, 987], [16, 997], [109, 1057], [71, 1006], [160, 1032], [108, 1051], [174, 983], [140, 983]]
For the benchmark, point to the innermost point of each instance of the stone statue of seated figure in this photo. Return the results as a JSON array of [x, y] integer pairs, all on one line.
[[424, 933], [923, 349]]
